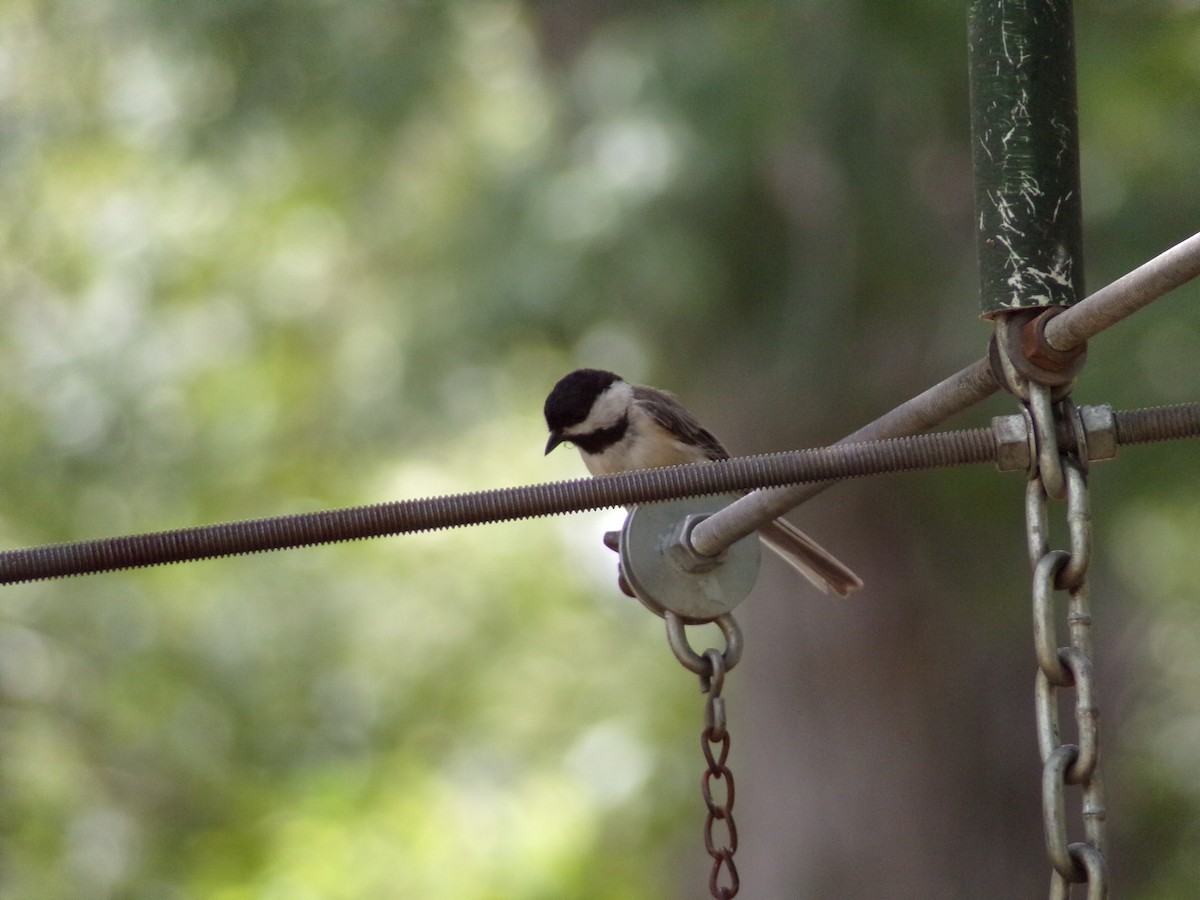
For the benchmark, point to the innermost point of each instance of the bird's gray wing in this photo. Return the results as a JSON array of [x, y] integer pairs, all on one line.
[[671, 415]]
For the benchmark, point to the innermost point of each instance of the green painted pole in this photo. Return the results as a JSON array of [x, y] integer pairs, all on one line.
[[1025, 148]]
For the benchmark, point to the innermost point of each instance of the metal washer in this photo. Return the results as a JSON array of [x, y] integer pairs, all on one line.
[[658, 573]]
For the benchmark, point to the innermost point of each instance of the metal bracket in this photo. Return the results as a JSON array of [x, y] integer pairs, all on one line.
[[666, 575]]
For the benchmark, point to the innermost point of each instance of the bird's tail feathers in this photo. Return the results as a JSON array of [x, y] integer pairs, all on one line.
[[809, 558]]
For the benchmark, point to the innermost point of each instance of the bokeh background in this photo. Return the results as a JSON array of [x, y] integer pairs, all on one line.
[[265, 257]]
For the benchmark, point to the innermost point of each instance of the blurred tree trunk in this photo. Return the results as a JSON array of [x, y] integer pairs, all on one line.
[[888, 743]]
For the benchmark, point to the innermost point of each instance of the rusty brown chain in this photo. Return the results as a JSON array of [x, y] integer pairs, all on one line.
[[720, 840], [714, 741], [1058, 476]]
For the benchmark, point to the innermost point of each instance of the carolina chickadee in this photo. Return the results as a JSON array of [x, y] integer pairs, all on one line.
[[619, 426]]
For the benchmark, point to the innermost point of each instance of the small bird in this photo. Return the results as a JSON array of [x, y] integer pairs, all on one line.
[[618, 427]]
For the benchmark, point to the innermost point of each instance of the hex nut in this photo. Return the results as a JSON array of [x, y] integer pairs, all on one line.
[[1014, 443], [1100, 426]]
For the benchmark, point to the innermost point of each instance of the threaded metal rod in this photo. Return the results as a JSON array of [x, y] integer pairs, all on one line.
[[501, 505], [1157, 423], [840, 461]]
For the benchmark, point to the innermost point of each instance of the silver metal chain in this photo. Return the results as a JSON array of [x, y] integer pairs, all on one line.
[[1058, 476]]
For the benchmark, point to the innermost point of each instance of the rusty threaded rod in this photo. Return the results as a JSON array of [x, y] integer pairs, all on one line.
[[836, 462]]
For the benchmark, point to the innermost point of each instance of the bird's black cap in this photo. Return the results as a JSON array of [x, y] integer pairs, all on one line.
[[571, 400]]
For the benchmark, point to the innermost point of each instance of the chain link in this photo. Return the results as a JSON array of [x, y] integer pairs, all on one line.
[[1060, 668], [720, 841], [723, 883]]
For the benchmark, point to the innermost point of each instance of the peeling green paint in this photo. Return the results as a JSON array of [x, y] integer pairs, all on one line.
[[1025, 142]]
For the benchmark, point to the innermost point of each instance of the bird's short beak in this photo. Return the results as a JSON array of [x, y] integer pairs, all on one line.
[[556, 438]]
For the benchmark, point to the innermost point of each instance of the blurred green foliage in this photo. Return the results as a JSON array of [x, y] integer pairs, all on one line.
[[261, 257]]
